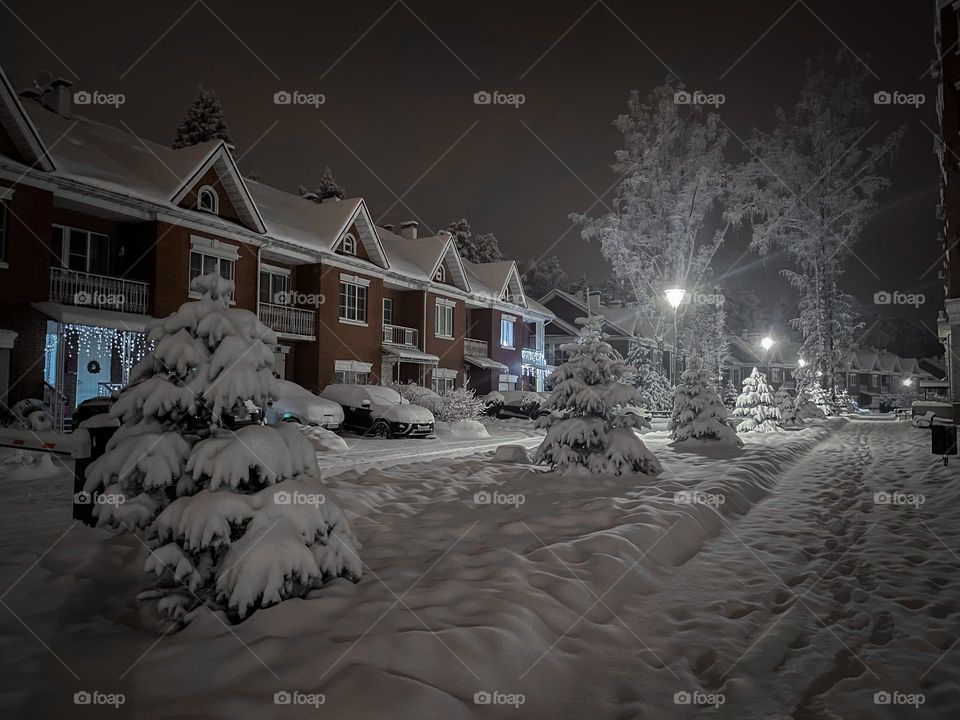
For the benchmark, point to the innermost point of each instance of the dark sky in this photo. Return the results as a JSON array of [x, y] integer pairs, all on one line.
[[399, 117]]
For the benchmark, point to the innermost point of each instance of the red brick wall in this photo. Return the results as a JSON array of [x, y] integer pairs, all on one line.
[[226, 208], [306, 355], [450, 352]]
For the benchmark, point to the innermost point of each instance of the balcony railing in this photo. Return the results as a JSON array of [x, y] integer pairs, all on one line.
[[531, 356], [288, 320], [399, 335], [475, 348], [70, 287]]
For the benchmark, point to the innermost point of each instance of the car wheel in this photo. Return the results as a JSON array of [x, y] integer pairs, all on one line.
[[381, 428]]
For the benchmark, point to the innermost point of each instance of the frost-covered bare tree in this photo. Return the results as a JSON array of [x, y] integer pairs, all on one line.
[[662, 231], [809, 190]]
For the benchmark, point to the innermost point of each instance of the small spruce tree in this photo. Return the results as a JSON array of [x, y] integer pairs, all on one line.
[[585, 427], [202, 122], [237, 515], [698, 412], [788, 410], [756, 405], [649, 379]]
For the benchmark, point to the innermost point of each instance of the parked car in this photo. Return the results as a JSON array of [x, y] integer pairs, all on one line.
[[517, 404], [380, 410], [297, 404]]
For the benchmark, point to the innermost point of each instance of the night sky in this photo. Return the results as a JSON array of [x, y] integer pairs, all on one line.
[[399, 120]]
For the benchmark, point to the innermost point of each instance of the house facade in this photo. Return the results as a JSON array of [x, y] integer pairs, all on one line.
[[101, 233]]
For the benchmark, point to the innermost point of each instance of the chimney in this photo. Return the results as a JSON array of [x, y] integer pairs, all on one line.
[[593, 301], [61, 88], [408, 229], [390, 227]]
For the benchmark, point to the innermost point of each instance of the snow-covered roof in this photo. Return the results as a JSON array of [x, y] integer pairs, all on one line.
[[889, 362], [20, 128], [420, 258], [583, 310], [500, 279], [867, 359]]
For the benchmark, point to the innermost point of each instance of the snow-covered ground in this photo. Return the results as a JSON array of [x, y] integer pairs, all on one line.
[[766, 578]]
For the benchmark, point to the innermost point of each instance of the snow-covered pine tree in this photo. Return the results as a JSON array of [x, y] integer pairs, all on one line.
[[788, 410], [649, 379], [584, 427], [698, 413], [239, 516], [814, 394], [475, 248], [729, 394], [842, 402], [327, 188], [756, 405], [203, 121]]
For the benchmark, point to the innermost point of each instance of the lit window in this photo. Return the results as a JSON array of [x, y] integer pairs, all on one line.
[[440, 385], [203, 264], [207, 199], [353, 302], [349, 245], [506, 332], [351, 377], [443, 326]]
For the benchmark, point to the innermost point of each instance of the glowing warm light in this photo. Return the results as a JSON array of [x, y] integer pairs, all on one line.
[[801, 362], [767, 343], [908, 382], [675, 297]]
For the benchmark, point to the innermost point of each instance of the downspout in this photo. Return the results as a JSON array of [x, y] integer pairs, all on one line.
[[424, 326]]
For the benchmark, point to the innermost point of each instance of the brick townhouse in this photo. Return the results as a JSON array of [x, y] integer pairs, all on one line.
[[101, 232]]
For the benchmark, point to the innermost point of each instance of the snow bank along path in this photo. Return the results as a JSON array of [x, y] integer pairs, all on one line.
[[590, 597]]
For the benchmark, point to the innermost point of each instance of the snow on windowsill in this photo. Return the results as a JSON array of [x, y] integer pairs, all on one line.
[[345, 321]]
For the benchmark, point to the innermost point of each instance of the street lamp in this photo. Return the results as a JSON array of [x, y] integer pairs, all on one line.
[[907, 382], [766, 344], [675, 297]]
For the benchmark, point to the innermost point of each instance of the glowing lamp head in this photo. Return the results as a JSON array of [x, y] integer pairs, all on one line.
[[908, 382], [675, 297], [767, 343], [801, 362]]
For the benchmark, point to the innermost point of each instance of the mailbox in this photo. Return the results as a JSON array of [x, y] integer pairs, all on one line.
[[943, 440]]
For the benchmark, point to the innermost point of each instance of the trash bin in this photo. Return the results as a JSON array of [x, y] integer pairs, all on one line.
[[943, 440], [82, 502]]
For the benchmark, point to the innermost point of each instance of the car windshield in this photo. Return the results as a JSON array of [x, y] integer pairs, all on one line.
[[387, 395]]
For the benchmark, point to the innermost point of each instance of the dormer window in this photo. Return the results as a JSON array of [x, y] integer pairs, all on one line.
[[207, 200], [440, 275], [349, 245]]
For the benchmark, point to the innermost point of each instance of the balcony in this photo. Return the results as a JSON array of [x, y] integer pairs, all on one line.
[[532, 356], [288, 321], [71, 287], [475, 348], [399, 335]]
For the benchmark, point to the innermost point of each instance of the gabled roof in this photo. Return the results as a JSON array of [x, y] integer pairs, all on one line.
[[421, 258], [221, 161], [581, 308], [20, 128], [501, 279], [744, 352], [889, 362], [867, 360]]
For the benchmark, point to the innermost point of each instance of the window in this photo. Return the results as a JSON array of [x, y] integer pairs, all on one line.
[[353, 300], [388, 311], [351, 377], [349, 245], [441, 274], [441, 384], [3, 230], [208, 200], [443, 327], [274, 287], [82, 250], [507, 382], [203, 264], [874, 381], [506, 331]]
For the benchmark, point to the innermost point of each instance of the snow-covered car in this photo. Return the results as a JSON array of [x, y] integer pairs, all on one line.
[[518, 404], [297, 404], [380, 410]]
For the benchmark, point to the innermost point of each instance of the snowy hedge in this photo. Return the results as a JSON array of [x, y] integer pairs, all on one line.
[[237, 515]]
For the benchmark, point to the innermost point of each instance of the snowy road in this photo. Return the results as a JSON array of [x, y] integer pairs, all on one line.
[[567, 597]]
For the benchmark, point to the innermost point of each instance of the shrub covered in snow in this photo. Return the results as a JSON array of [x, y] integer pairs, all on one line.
[[756, 405], [785, 404], [649, 379], [698, 413], [240, 517], [815, 395], [459, 404], [584, 427], [416, 394]]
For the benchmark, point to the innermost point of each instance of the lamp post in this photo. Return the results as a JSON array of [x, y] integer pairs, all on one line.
[[675, 297], [766, 344]]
